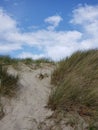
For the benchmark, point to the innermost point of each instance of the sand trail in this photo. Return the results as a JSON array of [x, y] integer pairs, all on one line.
[[28, 109]]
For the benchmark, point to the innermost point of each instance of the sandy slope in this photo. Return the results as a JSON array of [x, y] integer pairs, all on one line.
[[29, 107], [28, 111]]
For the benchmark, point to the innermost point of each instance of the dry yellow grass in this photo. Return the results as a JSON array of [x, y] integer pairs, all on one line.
[[76, 84]]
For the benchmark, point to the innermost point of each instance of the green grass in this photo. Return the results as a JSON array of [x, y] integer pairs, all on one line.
[[5, 59], [8, 86], [38, 61], [27, 61], [76, 83], [44, 60]]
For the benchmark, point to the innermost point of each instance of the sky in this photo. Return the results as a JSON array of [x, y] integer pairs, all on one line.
[[47, 28]]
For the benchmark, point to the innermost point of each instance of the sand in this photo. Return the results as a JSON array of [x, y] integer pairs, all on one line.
[[29, 106], [28, 110]]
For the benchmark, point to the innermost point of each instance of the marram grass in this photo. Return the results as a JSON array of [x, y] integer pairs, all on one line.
[[75, 83]]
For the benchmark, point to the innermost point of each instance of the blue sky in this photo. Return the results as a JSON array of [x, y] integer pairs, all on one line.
[[47, 28]]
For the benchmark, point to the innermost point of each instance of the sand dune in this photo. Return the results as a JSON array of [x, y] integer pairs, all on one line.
[[28, 110]]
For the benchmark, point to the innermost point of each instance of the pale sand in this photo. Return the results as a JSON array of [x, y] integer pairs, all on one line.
[[30, 104], [27, 111]]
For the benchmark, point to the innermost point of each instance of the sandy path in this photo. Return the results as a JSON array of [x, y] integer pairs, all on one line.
[[28, 109]]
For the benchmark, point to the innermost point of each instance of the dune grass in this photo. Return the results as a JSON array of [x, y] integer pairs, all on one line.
[[29, 61], [8, 87], [76, 84], [5, 59], [8, 84]]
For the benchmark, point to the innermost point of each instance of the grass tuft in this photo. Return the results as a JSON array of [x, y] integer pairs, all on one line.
[[76, 84], [8, 85]]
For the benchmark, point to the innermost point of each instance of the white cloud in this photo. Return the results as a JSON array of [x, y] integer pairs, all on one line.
[[58, 52], [9, 47], [8, 26], [30, 55], [85, 14], [87, 17], [53, 44], [6, 22], [53, 21]]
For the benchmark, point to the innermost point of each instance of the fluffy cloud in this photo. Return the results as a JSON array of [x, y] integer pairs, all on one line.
[[85, 14], [53, 21], [6, 48], [87, 17], [6, 22], [53, 44], [8, 26], [28, 54]]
